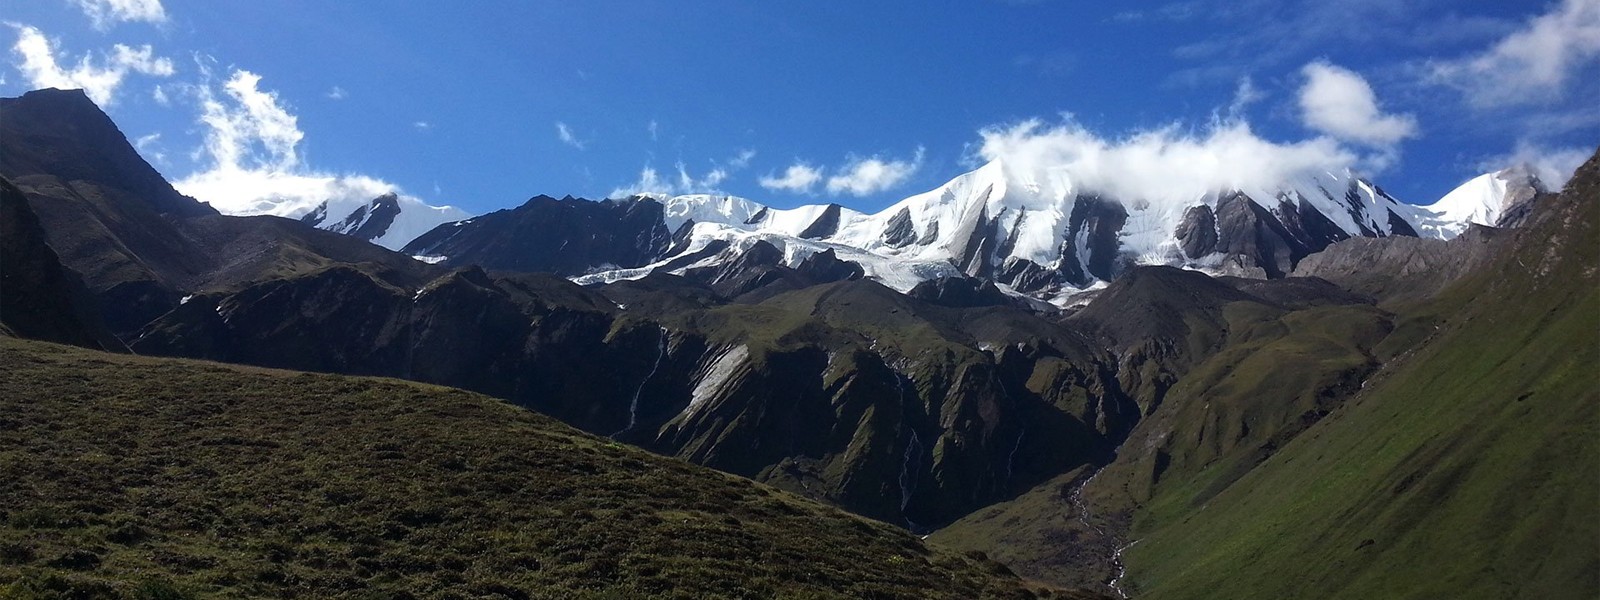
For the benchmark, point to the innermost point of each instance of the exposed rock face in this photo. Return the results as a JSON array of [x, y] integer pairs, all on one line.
[[567, 237], [960, 292], [1197, 234], [368, 222], [847, 391], [40, 298], [1401, 268], [900, 232], [825, 225]]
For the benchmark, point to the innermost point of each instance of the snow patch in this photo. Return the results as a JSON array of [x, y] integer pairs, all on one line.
[[718, 375]]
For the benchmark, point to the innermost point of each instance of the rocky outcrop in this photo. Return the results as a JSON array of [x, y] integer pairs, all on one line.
[[1401, 268], [39, 298]]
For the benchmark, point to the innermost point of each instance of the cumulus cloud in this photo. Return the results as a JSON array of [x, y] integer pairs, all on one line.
[[799, 178], [1533, 64], [1168, 164], [1338, 102], [566, 136], [254, 166], [1554, 166], [337, 93], [105, 13], [867, 176], [99, 78]]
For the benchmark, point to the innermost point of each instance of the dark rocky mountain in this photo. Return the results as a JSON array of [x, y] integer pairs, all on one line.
[[138, 245], [848, 391], [39, 298], [546, 235]]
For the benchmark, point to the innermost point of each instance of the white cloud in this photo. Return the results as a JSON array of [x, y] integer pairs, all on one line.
[[652, 182], [1244, 95], [654, 129], [866, 176], [252, 147], [159, 94], [1338, 102], [1554, 166], [1533, 64], [422, 125], [150, 147], [1169, 164], [566, 136], [337, 93], [99, 79], [105, 13], [798, 178]]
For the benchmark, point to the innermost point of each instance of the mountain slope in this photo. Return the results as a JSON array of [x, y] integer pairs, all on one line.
[[39, 298], [146, 476], [139, 245], [848, 391], [1477, 450]]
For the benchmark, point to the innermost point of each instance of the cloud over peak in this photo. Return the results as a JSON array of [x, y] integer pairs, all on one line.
[[1168, 164], [252, 145]]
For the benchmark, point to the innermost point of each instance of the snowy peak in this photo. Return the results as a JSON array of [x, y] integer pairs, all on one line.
[[1042, 231], [389, 220], [1483, 200]]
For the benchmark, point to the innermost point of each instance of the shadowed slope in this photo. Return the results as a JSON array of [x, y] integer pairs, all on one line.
[[197, 478]]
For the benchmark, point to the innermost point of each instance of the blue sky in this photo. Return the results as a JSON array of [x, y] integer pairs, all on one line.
[[483, 104]]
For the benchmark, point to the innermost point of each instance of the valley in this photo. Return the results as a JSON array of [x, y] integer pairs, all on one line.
[[1305, 390]]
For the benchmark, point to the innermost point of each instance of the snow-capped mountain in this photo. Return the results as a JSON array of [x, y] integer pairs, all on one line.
[[1488, 199], [1045, 234], [390, 220]]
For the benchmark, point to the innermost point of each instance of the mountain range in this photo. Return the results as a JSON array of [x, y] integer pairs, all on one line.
[[1037, 233], [1094, 389]]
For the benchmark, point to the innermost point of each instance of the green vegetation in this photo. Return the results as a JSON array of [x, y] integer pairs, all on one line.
[[154, 478], [1465, 469]]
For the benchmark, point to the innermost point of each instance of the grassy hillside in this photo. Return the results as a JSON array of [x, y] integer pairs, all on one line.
[[1465, 469], [153, 478], [1272, 374]]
